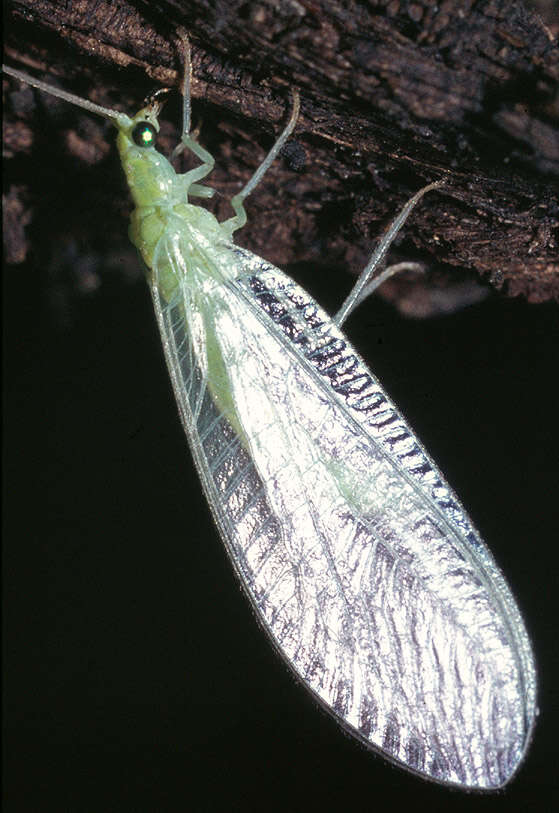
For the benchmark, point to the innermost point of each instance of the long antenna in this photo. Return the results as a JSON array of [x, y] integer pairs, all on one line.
[[106, 112]]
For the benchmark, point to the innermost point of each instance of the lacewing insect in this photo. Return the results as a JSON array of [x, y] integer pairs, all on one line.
[[358, 560]]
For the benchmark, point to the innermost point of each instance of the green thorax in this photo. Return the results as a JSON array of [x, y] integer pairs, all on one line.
[[161, 203]]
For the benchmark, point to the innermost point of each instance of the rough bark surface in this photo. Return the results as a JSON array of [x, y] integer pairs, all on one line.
[[394, 94]]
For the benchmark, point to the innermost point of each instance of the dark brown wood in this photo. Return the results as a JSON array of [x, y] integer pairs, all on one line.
[[394, 95]]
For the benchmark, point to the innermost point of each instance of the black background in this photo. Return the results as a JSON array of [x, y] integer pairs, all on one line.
[[136, 678]]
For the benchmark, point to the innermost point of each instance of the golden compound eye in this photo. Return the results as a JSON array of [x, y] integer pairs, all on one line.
[[144, 134]]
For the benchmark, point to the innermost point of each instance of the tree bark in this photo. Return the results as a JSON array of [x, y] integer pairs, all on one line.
[[394, 95]]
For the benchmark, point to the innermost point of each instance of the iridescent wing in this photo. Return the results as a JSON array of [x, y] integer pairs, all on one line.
[[357, 558]]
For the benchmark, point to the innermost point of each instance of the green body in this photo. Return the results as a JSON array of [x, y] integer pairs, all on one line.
[[176, 238]]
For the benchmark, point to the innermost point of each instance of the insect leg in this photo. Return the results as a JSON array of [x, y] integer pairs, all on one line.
[[189, 178], [198, 190], [356, 294], [187, 141], [240, 217], [390, 271]]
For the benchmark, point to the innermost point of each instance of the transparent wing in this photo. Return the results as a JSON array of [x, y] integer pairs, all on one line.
[[357, 558]]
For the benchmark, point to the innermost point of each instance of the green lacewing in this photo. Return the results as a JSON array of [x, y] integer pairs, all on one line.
[[358, 560]]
